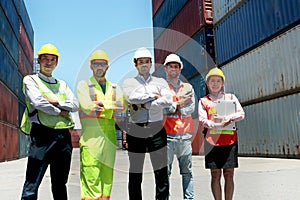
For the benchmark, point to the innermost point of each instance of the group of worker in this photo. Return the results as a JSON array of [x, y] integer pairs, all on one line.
[[160, 124]]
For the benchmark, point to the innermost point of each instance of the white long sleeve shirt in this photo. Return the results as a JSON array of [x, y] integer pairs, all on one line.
[[139, 91]]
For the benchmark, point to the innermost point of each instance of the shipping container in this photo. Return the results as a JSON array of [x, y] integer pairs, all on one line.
[[155, 6], [8, 142], [25, 65], [8, 70], [197, 139], [223, 8], [8, 106], [75, 136], [8, 37], [25, 44], [270, 70], [271, 128], [17, 5], [166, 14], [199, 85], [24, 17], [23, 145], [11, 13], [23, 139], [198, 53], [251, 24], [179, 31]]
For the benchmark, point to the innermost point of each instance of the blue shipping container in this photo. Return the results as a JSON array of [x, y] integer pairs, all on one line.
[[8, 70], [26, 22], [11, 14], [8, 37], [198, 53], [252, 24]]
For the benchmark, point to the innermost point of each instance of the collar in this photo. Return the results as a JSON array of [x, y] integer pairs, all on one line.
[[140, 77], [47, 79], [221, 95]]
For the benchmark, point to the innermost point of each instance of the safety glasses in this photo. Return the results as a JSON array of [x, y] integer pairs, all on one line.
[[101, 64]]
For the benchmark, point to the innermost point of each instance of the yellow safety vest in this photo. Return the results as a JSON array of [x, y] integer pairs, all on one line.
[[51, 121], [110, 100]]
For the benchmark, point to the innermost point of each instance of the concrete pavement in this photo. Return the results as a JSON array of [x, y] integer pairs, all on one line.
[[256, 178]]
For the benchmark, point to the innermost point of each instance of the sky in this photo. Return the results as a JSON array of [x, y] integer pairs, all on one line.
[[77, 28]]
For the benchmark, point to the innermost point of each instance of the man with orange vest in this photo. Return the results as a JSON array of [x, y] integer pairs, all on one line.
[[220, 144], [179, 124], [98, 99]]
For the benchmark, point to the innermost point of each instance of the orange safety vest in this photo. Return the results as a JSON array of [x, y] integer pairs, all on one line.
[[217, 137], [177, 123]]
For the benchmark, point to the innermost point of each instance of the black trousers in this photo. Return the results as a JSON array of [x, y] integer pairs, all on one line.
[[151, 138], [48, 147]]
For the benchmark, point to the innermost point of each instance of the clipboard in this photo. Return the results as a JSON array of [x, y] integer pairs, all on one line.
[[226, 107]]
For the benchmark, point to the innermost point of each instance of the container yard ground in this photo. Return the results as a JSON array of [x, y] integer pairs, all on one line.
[[256, 178]]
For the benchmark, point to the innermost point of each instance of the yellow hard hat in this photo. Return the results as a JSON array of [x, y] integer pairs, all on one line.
[[173, 58], [99, 54], [48, 49], [215, 72]]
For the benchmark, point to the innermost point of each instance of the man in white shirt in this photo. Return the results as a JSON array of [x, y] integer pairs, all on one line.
[[147, 96]]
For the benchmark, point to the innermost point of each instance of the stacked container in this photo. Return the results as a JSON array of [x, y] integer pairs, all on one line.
[[257, 43], [16, 53], [185, 27]]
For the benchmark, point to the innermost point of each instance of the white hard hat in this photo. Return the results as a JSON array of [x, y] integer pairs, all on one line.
[[142, 53], [173, 58]]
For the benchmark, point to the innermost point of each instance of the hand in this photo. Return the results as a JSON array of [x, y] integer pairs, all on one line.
[[226, 121], [184, 100], [157, 96], [53, 102], [218, 118], [64, 113], [99, 103]]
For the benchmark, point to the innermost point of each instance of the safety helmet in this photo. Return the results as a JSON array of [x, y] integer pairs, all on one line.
[[215, 72], [173, 58], [48, 49], [99, 54], [141, 53]]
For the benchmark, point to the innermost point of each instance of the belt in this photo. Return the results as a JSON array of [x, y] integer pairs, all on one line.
[[149, 124]]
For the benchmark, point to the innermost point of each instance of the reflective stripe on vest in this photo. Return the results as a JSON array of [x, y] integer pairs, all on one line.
[[177, 123], [217, 137], [108, 99]]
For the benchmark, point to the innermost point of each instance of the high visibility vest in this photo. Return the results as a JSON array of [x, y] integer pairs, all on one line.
[[57, 92], [110, 101], [177, 123], [217, 137]]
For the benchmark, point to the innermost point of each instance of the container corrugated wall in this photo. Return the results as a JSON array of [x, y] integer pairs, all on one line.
[[271, 128], [16, 53], [252, 23], [178, 31], [8, 124], [166, 14], [221, 8], [155, 6], [269, 70], [257, 46]]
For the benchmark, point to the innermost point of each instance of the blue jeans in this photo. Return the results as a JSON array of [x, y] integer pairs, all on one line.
[[180, 145]]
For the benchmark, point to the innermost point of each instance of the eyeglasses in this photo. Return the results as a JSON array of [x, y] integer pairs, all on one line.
[[97, 64]]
